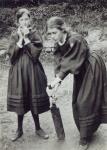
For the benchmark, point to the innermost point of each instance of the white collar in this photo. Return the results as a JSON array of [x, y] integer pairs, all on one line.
[[64, 39]]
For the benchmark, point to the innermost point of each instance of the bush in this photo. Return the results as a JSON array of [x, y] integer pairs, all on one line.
[[78, 16]]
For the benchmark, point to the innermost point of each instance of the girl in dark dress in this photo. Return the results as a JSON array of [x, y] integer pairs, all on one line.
[[27, 81], [72, 55]]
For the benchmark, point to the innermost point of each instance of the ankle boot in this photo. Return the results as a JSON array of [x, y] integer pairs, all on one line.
[[17, 135], [19, 131], [83, 144], [41, 133]]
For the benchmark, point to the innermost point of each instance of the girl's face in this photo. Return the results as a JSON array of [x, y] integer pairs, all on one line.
[[24, 20], [55, 34]]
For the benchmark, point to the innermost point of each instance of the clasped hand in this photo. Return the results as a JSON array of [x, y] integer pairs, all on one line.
[[53, 86], [23, 32]]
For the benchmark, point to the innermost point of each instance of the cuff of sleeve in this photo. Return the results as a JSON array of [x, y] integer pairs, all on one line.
[[58, 78], [19, 45], [27, 41], [61, 75]]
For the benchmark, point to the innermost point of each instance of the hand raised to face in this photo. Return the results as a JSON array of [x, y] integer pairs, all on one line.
[[20, 33], [24, 30]]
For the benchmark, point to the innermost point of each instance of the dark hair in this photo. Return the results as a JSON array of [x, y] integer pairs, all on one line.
[[57, 22], [21, 12]]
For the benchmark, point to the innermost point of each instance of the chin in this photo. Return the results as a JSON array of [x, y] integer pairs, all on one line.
[[54, 41]]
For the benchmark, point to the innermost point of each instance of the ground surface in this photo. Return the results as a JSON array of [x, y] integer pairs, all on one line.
[[30, 141]]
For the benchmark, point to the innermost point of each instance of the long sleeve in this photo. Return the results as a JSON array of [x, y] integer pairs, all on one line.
[[13, 49], [35, 46], [73, 58]]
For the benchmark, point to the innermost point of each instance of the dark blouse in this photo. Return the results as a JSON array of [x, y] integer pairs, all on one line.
[[33, 49], [27, 81], [70, 57]]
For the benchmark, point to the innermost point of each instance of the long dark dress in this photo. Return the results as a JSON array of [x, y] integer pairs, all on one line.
[[27, 81], [90, 82]]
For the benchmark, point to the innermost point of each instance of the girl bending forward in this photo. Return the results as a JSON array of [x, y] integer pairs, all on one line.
[[72, 55]]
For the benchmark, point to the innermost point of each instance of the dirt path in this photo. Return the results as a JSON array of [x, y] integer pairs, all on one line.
[[30, 141]]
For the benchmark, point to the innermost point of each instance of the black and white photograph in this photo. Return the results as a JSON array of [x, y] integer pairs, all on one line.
[[53, 74]]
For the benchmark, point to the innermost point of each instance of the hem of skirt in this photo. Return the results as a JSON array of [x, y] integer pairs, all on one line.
[[19, 113], [41, 112], [104, 119], [88, 125], [22, 113], [86, 132], [104, 114], [21, 97], [90, 120]]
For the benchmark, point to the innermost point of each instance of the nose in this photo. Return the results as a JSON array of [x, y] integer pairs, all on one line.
[[25, 23], [52, 36]]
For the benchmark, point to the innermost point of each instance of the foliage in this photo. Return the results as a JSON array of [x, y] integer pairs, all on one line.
[[78, 16], [13, 3]]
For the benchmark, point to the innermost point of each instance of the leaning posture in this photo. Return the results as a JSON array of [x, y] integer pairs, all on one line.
[[72, 55]]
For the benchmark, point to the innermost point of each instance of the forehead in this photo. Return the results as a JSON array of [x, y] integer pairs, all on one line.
[[24, 15], [52, 30]]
